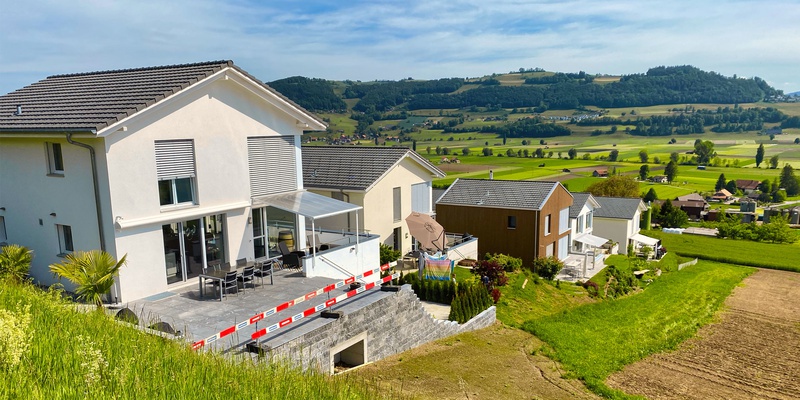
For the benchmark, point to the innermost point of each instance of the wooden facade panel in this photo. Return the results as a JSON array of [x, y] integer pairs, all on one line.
[[559, 199]]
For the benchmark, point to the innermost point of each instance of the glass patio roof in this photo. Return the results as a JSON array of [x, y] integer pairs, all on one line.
[[307, 204]]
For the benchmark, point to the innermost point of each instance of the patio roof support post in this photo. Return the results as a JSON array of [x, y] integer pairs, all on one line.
[[358, 259], [313, 246]]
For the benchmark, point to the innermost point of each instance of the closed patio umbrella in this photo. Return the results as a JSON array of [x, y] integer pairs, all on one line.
[[426, 230]]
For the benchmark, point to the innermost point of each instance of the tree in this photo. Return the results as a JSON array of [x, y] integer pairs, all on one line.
[[789, 181], [651, 196], [704, 150], [720, 183], [797, 140], [731, 186], [613, 155], [15, 262], [759, 155], [765, 186], [776, 231], [643, 171], [675, 218], [572, 153], [465, 151], [428, 149], [773, 162], [665, 209], [643, 155], [615, 186], [92, 272], [671, 170], [673, 156], [539, 153]]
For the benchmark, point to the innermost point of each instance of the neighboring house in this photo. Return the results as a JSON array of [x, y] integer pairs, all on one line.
[[695, 209], [618, 219], [525, 219], [691, 197], [659, 179], [176, 166], [722, 195], [602, 173], [388, 182], [747, 186], [581, 218]]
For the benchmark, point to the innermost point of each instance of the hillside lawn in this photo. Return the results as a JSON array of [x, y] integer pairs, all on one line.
[[74, 355], [594, 340]]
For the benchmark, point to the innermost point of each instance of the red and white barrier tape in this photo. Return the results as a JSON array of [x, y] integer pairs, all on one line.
[[313, 310], [310, 295]]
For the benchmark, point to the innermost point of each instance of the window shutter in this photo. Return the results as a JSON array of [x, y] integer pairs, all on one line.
[[272, 163], [421, 197], [175, 159]]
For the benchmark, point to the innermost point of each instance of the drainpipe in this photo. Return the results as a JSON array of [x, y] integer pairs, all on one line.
[[96, 188]]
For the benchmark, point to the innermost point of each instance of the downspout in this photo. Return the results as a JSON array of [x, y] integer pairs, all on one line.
[[96, 188]]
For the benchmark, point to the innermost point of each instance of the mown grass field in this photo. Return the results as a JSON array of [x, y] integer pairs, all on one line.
[[743, 252], [67, 354], [594, 340]]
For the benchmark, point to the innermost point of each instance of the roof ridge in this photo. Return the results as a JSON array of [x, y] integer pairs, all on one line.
[[114, 71]]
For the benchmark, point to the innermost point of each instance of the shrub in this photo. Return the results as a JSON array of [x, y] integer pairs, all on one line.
[[15, 262], [592, 288], [388, 254], [92, 272], [547, 267], [509, 263], [493, 270], [470, 301]]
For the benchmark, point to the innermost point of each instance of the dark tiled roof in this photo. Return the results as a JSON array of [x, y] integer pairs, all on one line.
[[579, 200], [617, 207], [747, 184], [497, 193], [95, 100], [353, 167]]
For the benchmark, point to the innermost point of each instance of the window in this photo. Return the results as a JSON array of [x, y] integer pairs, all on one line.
[[563, 220], [175, 167], [512, 222], [579, 224], [55, 161], [589, 220], [398, 215], [547, 224], [64, 239]]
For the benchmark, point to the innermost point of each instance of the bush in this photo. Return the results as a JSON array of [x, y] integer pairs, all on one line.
[[388, 254], [15, 262], [509, 263], [591, 288], [493, 270], [470, 301], [547, 267]]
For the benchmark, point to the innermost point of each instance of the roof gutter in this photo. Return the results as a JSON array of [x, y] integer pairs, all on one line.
[[96, 187]]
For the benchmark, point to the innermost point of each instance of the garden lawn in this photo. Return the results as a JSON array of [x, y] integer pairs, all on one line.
[[539, 298], [743, 252], [594, 340]]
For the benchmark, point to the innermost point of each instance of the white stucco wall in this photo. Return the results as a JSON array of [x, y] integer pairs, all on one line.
[[618, 230]]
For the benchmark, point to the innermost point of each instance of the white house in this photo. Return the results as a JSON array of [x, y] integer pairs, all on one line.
[[388, 182], [175, 166], [618, 219], [581, 218]]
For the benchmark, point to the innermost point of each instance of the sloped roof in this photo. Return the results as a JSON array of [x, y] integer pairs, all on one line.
[[531, 195], [579, 200], [691, 197], [354, 167], [747, 184], [91, 101], [618, 207]]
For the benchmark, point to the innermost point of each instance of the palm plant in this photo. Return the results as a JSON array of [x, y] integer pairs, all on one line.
[[15, 262], [92, 272]]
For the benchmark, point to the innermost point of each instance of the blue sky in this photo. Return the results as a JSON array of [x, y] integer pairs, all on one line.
[[368, 40]]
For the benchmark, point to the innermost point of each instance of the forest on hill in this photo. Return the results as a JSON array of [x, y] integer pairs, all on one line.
[[543, 91]]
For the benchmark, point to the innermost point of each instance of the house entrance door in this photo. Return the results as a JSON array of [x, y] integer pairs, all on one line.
[[190, 245]]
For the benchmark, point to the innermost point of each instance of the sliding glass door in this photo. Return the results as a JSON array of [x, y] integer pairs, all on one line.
[[190, 245]]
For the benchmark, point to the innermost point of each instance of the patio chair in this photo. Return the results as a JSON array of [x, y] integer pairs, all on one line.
[[230, 282], [215, 265], [290, 259], [248, 275], [265, 270]]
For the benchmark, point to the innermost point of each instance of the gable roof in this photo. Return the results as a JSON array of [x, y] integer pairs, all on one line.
[[579, 200], [747, 184], [530, 195], [92, 101], [692, 197], [355, 167], [619, 207]]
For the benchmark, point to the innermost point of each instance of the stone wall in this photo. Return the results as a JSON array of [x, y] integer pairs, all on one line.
[[388, 326]]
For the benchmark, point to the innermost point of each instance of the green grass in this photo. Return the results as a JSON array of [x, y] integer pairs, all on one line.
[[78, 355], [594, 340], [537, 299], [743, 252]]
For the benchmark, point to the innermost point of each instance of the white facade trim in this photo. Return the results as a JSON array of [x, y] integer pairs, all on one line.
[[191, 212]]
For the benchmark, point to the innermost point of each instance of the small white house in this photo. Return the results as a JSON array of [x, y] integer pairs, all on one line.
[[175, 166], [581, 217], [618, 219], [388, 182]]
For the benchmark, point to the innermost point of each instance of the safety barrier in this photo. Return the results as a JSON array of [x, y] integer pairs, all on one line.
[[313, 310], [310, 295]]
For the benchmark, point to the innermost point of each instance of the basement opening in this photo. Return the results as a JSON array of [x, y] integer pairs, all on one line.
[[349, 354]]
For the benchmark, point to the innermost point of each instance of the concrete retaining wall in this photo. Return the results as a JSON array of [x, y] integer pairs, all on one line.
[[388, 326]]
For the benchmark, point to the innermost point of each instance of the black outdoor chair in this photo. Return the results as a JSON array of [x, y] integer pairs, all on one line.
[[230, 282], [264, 271], [215, 265], [248, 275], [291, 259]]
